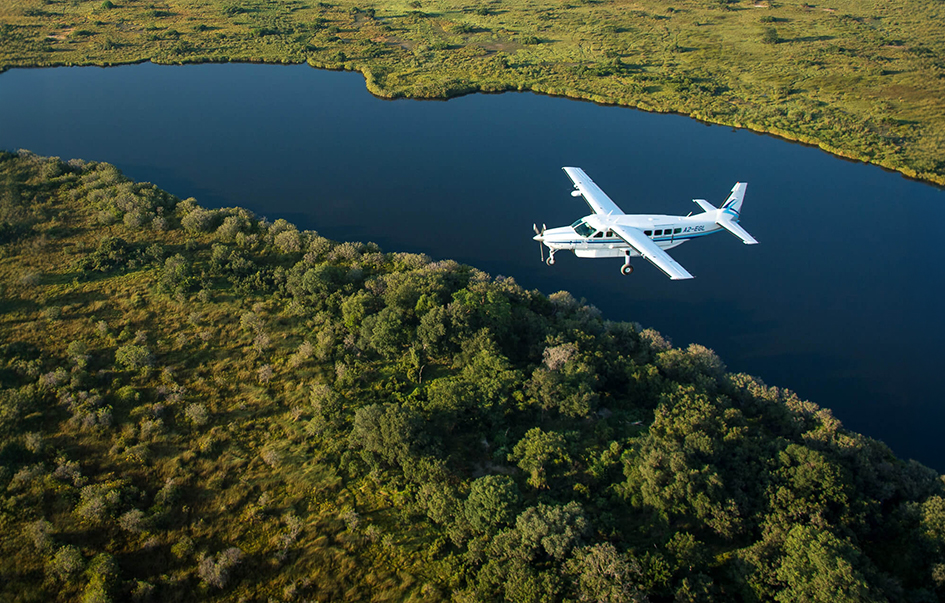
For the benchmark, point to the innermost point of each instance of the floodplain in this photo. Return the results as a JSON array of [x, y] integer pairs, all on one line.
[[859, 79]]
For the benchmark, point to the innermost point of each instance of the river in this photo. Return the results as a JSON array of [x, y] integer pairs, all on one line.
[[840, 302]]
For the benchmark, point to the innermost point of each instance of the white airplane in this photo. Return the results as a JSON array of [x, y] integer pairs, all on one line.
[[610, 233]]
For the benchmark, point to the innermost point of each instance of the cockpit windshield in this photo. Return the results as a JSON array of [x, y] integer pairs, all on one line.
[[583, 229]]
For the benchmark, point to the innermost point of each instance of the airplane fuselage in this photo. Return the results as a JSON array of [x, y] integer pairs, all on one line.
[[600, 242], [609, 232]]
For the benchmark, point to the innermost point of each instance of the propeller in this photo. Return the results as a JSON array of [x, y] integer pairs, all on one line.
[[541, 248]]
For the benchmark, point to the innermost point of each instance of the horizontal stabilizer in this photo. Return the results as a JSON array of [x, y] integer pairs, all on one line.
[[731, 226], [705, 205]]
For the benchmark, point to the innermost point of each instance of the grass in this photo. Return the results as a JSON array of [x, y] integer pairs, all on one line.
[[863, 80]]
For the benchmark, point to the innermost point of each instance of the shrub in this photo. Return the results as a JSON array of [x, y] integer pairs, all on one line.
[[66, 563], [176, 275], [492, 503], [39, 533], [197, 413], [132, 521], [96, 501], [133, 357], [183, 548], [215, 571], [289, 241], [200, 220]]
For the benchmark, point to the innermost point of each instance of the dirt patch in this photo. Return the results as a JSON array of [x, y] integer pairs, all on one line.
[[62, 35]]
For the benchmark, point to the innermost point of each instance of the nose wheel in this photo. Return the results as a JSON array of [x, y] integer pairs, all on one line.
[[551, 260]]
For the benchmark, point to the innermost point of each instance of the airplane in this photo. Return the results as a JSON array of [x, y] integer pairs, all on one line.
[[610, 233]]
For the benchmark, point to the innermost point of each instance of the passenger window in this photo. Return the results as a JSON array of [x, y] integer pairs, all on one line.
[[677, 230], [598, 235], [610, 234], [648, 232], [657, 233]]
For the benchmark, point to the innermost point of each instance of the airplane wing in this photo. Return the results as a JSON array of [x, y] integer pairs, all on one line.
[[598, 200], [651, 252]]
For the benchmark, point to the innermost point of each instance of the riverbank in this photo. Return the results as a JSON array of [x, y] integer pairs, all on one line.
[[859, 80], [201, 404]]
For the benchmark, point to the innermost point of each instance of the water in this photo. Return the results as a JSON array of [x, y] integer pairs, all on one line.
[[839, 302]]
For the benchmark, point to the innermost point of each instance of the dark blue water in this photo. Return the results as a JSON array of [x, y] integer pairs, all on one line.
[[840, 301]]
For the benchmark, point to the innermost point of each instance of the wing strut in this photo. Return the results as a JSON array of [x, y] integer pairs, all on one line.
[[651, 252]]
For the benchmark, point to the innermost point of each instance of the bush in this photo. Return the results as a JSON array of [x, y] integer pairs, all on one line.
[[215, 571], [133, 357], [66, 563], [200, 220], [770, 36], [492, 503]]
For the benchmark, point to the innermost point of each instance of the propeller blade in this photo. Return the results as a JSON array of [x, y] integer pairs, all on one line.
[[541, 248]]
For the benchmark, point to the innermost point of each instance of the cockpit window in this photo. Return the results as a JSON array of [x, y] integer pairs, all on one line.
[[582, 228]]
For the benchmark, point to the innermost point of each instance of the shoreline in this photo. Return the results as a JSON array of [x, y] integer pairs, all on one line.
[[937, 180]]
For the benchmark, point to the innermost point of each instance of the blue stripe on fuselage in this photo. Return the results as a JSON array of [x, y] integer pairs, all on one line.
[[655, 240]]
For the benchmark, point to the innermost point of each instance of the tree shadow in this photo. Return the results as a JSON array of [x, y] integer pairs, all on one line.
[[809, 39]]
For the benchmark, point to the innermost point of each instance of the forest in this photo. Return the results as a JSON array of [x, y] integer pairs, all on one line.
[[862, 79], [201, 404]]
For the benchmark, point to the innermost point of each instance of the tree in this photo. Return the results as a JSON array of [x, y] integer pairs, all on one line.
[[552, 529], [176, 275], [818, 567], [491, 503], [603, 575], [384, 432], [538, 452], [66, 563], [215, 571], [133, 357], [200, 220], [102, 574]]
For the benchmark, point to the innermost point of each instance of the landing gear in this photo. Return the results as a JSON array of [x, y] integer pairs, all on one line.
[[551, 260], [626, 268]]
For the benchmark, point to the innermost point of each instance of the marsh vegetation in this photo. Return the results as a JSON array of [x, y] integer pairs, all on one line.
[[859, 79]]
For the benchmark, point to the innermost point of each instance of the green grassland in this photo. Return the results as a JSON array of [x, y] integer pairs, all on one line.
[[864, 79], [204, 405]]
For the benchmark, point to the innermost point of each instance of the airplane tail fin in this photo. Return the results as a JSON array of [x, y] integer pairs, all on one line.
[[729, 213], [733, 205]]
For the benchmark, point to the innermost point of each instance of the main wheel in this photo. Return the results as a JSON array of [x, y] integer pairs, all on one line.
[[626, 269], [551, 260]]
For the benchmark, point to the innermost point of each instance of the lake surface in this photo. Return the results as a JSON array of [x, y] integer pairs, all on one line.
[[840, 302]]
